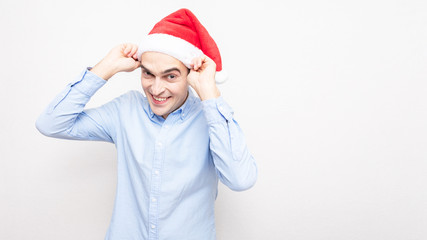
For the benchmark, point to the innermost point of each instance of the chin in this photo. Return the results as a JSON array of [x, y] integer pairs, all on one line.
[[158, 111]]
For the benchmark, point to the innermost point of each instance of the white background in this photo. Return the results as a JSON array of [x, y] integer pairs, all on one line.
[[331, 96]]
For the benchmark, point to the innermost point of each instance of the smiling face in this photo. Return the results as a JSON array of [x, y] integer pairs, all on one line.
[[164, 81]]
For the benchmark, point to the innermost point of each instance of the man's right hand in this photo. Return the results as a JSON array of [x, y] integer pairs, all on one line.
[[122, 58]]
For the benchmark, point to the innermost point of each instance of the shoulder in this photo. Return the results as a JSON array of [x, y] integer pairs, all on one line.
[[130, 96], [125, 100]]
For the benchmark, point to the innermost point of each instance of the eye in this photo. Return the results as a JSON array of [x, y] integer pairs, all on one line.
[[171, 77], [146, 73]]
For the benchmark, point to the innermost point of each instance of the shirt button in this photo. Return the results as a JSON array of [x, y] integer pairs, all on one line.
[[153, 226], [156, 172], [153, 199]]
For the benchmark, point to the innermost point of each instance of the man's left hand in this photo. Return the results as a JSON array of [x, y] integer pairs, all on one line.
[[202, 77]]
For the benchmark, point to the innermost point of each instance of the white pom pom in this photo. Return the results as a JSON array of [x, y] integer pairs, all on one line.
[[221, 77]]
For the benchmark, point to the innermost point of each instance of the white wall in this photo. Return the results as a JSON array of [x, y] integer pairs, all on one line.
[[331, 96]]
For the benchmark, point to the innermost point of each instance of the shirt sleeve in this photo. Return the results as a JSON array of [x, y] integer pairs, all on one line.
[[65, 116], [235, 166]]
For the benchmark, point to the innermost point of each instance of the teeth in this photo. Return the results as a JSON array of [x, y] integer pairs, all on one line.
[[159, 99]]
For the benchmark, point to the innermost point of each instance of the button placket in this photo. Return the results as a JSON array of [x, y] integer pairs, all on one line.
[[156, 181], [155, 187]]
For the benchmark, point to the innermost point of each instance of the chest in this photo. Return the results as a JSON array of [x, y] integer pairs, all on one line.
[[178, 148]]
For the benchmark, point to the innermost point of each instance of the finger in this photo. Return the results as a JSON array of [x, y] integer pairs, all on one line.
[[134, 52], [137, 64], [198, 63], [135, 56], [131, 50], [134, 49], [128, 48], [192, 64], [208, 62], [207, 59]]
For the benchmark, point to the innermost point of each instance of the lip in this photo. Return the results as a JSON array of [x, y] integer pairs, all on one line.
[[159, 102]]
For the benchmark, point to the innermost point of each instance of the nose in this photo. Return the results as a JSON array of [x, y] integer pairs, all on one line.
[[157, 87]]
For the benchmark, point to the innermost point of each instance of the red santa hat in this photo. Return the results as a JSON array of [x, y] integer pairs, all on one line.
[[183, 37]]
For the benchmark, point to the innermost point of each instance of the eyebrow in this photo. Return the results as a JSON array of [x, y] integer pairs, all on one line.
[[171, 70], [164, 72]]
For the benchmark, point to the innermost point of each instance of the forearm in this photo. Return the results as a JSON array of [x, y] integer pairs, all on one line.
[[61, 115], [207, 91], [235, 165], [104, 70]]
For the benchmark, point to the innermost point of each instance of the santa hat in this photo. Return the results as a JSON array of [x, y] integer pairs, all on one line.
[[183, 37]]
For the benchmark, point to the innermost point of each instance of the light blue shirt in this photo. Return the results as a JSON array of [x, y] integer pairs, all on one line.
[[168, 169]]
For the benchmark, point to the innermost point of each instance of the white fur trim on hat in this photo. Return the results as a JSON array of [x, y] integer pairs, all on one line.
[[170, 45], [221, 77]]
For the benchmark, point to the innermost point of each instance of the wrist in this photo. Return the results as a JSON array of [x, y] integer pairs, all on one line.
[[210, 93], [103, 70]]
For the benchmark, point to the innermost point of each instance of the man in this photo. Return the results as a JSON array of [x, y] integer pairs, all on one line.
[[172, 146]]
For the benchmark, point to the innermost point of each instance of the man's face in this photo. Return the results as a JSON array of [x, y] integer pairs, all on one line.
[[164, 80]]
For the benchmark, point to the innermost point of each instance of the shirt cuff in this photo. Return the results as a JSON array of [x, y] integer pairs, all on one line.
[[88, 82], [217, 110]]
